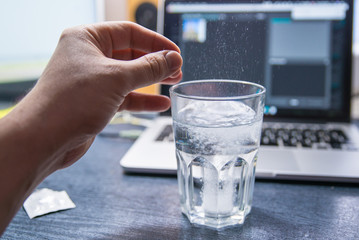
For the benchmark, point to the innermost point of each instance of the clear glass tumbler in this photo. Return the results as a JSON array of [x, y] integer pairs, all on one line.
[[217, 126]]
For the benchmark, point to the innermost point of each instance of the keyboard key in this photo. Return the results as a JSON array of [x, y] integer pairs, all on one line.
[[350, 147], [292, 142], [322, 145], [323, 136], [268, 141], [336, 145], [337, 136], [307, 143]]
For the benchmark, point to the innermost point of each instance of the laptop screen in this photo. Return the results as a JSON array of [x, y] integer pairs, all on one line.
[[299, 50]]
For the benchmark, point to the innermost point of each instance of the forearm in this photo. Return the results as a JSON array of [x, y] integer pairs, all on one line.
[[18, 169], [27, 153]]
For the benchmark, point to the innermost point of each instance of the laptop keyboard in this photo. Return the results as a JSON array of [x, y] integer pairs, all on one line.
[[288, 135], [166, 134], [314, 137]]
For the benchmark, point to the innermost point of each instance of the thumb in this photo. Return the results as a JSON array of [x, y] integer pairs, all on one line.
[[152, 68]]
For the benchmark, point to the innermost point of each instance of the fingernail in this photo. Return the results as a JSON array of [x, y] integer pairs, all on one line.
[[176, 74], [174, 60]]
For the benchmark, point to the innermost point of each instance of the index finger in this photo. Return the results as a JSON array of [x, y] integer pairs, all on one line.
[[112, 36]]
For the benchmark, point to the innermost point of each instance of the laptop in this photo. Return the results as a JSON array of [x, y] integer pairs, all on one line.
[[300, 51]]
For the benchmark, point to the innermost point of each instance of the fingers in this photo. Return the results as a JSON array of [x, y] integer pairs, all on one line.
[[151, 68], [173, 79], [145, 102], [147, 57], [130, 54], [110, 36], [127, 54], [149, 41]]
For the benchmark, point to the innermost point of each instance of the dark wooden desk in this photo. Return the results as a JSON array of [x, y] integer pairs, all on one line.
[[113, 205]]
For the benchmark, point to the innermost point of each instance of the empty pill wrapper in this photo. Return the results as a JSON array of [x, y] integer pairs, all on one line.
[[44, 201]]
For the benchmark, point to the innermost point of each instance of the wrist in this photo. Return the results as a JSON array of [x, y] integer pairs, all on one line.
[[36, 131]]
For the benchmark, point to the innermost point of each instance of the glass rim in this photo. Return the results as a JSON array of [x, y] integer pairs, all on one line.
[[194, 97]]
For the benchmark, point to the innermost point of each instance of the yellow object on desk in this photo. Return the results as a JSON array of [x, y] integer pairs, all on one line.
[[5, 111], [152, 89]]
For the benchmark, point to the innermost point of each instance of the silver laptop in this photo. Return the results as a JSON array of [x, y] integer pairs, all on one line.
[[300, 51]]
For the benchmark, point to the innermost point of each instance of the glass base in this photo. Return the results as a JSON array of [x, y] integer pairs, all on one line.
[[218, 223]]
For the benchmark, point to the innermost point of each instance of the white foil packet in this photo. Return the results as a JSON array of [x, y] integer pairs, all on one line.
[[44, 201]]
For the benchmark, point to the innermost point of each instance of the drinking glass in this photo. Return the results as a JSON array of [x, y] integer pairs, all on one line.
[[217, 127]]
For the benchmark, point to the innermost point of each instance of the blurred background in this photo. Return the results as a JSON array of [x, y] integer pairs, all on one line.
[[30, 32]]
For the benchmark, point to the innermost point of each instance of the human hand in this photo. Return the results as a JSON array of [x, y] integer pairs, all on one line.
[[90, 77]]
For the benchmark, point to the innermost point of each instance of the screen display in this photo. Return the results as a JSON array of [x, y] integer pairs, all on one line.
[[299, 50]]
